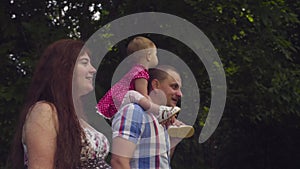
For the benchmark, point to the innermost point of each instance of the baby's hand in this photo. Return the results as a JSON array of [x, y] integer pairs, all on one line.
[[171, 121]]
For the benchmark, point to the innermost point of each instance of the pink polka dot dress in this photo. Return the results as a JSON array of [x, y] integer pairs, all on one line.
[[111, 101]]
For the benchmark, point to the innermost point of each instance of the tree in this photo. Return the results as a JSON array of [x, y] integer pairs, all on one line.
[[258, 44]]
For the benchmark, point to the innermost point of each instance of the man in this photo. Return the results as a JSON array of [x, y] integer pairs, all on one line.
[[139, 141]]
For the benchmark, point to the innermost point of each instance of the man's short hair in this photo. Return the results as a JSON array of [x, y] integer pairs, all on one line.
[[160, 73]]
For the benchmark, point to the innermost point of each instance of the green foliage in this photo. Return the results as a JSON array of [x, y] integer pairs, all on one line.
[[258, 44]]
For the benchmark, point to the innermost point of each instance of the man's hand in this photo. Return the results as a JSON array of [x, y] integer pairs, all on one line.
[[172, 121], [177, 123]]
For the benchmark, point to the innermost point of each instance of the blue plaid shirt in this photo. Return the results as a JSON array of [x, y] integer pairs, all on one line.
[[152, 140]]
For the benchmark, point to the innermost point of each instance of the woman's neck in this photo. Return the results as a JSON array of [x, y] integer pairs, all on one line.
[[79, 108]]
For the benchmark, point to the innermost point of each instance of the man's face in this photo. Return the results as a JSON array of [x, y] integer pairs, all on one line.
[[171, 87]]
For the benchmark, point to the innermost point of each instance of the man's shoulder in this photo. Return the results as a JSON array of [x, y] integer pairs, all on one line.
[[132, 107]]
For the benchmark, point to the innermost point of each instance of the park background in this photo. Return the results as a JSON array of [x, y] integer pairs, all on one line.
[[257, 42]]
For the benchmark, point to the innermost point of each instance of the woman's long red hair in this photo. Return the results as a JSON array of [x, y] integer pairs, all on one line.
[[52, 82]]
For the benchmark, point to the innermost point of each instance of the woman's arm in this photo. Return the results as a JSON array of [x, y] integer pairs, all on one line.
[[39, 134]]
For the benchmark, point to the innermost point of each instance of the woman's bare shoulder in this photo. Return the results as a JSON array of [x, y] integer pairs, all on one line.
[[43, 112]]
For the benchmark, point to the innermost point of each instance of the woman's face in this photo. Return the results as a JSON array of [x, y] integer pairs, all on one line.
[[83, 75]]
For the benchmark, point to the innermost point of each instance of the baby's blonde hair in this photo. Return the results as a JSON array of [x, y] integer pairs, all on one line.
[[139, 43]]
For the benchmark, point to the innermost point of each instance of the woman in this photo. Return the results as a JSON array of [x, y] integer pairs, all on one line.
[[52, 132]]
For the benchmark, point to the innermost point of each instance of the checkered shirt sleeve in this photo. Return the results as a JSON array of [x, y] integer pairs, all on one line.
[[151, 139]]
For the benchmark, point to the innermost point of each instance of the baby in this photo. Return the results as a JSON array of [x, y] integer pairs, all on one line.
[[132, 88]]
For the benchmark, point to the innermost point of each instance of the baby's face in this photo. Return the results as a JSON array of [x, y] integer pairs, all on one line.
[[154, 59]]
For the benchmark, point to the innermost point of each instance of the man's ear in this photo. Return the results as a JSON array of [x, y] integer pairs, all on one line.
[[155, 84]]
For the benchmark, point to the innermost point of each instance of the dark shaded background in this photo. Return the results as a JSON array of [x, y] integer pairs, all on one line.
[[257, 41]]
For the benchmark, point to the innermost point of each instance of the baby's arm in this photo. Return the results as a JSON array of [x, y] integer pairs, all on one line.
[[133, 96], [141, 86], [139, 95]]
